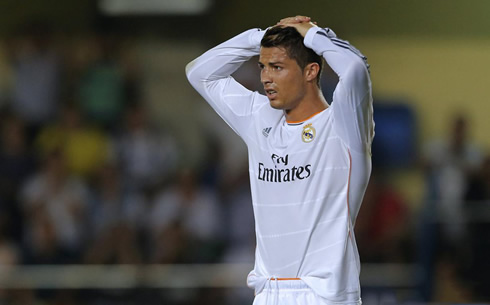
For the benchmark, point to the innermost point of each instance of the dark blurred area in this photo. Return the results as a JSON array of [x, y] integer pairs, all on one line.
[[108, 156]]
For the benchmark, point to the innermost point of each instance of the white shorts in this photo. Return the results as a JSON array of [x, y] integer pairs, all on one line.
[[290, 292]]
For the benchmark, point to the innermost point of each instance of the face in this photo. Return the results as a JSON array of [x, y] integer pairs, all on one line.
[[282, 77]]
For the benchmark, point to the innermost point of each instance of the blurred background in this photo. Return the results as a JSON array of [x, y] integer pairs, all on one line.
[[120, 185]]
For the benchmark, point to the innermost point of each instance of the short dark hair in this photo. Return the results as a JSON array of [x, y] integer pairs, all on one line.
[[291, 41]]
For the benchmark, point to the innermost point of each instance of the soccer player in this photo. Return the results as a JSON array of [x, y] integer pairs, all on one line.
[[309, 161]]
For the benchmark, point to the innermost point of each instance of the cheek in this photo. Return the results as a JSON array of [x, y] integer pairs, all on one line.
[[287, 81], [293, 86]]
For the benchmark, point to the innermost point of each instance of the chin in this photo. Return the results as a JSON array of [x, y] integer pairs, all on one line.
[[276, 104]]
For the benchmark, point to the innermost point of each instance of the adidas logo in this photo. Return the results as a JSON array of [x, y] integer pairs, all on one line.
[[266, 131]]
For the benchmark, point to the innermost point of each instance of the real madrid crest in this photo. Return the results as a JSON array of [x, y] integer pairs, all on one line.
[[308, 133]]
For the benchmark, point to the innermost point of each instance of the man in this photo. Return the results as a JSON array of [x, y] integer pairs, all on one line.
[[309, 161]]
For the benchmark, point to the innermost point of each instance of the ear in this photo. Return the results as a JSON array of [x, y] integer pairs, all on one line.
[[311, 71]]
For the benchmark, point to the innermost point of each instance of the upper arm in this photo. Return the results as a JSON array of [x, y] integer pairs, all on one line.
[[352, 108], [234, 103]]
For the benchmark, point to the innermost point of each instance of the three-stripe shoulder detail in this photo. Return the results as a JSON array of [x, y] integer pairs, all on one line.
[[343, 44]]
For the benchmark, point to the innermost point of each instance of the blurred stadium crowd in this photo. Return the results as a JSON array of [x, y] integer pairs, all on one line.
[[87, 178]]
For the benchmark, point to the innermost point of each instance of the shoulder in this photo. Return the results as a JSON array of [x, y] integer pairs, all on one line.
[[264, 110]]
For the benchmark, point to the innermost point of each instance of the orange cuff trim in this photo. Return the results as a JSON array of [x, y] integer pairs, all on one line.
[[284, 279]]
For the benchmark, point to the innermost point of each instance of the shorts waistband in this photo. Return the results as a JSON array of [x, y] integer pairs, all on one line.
[[284, 279], [285, 284]]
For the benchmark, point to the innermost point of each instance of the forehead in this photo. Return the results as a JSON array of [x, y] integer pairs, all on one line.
[[273, 54]]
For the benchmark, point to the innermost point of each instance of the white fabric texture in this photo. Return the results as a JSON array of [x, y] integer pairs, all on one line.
[[307, 179]]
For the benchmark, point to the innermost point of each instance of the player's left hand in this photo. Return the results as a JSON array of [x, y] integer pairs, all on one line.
[[301, 23]]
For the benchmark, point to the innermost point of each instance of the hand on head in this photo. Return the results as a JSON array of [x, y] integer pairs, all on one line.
[[301, 23]]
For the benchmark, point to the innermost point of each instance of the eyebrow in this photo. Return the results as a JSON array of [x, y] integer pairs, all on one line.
[[271, 63]]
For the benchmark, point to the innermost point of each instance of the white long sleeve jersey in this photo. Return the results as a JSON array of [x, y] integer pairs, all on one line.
[[307, 179]]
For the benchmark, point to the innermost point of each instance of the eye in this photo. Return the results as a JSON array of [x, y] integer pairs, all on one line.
[[277, 68], [261, 66]]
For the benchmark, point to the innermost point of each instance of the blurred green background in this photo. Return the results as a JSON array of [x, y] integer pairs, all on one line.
[[432, 57]]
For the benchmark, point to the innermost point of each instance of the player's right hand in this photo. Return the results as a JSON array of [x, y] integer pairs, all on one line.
[[292, 20], [301, 23]]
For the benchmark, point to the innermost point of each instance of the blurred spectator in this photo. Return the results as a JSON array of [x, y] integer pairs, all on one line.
[[478, 211], [117, 244], [240, 230], [214, 168], [191, 210], [448, 164], [170, 244], [10, 253], [240, 224], [16, 164], [383, 225], [145, 155], [478, 192], [55, 206], [37, 69], [85, 148], [116, 220], [104, 88]]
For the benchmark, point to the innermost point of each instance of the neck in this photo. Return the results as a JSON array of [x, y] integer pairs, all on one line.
[[312, 103]]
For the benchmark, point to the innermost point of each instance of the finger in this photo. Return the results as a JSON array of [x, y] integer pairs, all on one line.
[[302, 18], [289, 21], [286, 20], [296, 19]]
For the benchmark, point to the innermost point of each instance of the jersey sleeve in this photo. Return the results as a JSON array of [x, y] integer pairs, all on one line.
[[210, 75], [352, 99]]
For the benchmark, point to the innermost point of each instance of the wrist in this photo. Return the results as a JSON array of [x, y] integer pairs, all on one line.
[[256, 37]]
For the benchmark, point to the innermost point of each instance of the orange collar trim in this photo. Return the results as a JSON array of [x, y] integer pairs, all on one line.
[[301, 121]]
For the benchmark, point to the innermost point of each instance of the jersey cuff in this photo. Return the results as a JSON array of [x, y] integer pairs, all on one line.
[[308, 41], [312, 34], [256, 37]]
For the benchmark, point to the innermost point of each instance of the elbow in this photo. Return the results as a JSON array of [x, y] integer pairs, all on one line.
[[359, 67], [194, 76], [188, 67], [357, 72], [188, 71]]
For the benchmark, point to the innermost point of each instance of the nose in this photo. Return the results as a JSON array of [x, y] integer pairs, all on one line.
[[265, 77]]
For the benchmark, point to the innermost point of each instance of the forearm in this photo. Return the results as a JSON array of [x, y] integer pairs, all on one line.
[[224, 59], [344, 59], [210, 74]]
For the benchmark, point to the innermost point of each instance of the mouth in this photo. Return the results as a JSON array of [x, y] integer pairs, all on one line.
[[271, 94]]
